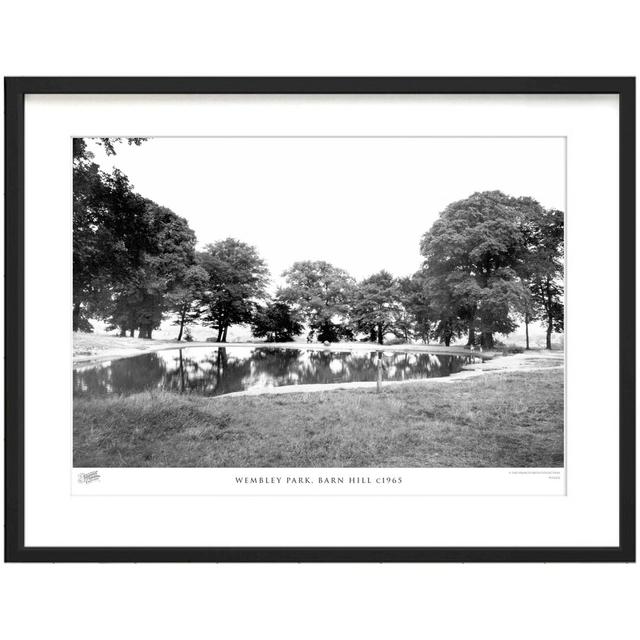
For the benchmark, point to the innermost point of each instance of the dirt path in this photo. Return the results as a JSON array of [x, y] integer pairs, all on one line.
[[521, 362]]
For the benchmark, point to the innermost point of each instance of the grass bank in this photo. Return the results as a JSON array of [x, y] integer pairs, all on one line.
[[511, 419]]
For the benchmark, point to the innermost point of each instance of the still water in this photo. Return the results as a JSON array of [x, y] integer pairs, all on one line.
[[215, 371]]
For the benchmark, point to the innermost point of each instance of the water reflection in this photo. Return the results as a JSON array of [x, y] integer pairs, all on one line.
[[215, 371]]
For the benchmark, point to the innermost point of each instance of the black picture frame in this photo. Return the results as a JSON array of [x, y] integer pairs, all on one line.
[[15, 91]]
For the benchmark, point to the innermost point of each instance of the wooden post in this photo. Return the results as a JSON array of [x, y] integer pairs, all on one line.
[[181, 373], [379, 377]]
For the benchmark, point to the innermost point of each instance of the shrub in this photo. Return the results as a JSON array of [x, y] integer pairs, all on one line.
[[509, 349]]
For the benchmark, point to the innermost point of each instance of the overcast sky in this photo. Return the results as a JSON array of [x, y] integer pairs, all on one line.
[[360, 203]]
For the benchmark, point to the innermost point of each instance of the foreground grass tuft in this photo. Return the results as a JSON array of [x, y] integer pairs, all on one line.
[[512, 419]]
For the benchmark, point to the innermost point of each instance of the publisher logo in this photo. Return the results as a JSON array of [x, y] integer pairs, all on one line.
[[87, 478]]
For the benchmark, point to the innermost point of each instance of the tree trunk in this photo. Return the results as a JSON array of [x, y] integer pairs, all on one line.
[[224, 334], [526, 330], [549, 314], [380, 335], [447, 341], [220, 330], [123, 332], [486, 340], [132, 323], [76, 316], [472, 333], [181, 373], [182, 317]]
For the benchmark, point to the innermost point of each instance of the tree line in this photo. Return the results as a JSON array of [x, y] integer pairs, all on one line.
[[490, 262]]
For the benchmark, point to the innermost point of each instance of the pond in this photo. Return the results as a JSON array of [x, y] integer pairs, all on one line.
[[215, 371]]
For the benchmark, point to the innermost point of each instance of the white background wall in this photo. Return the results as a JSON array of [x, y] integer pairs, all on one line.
[[329, 38]]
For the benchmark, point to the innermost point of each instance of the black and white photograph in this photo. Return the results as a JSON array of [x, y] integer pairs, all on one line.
[[320, 320], [318, 301]]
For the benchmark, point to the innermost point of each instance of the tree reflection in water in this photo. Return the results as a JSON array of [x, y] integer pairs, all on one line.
[[216, 371]]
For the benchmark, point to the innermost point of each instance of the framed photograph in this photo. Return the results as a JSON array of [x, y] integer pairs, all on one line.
[[320, 319]]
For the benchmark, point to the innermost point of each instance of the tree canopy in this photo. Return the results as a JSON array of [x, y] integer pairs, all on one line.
[[237, 280], [377, 305], [321, 294], [159, 271], [276, 322], [489, 261], [473, 256], [543, 269], [128, 252]]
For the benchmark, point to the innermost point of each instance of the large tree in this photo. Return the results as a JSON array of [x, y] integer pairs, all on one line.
[[472, 255], [185, 298], [322, 295], [543, 268], [376, 305], [159, 271], [416, 317], [237, 280], [276, 322], [109, 230]]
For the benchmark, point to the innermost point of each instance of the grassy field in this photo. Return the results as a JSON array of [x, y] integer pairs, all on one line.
[[85, 344], [512, 419]]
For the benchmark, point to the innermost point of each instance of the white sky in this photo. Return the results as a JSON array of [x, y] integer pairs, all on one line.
[[360, 203]]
